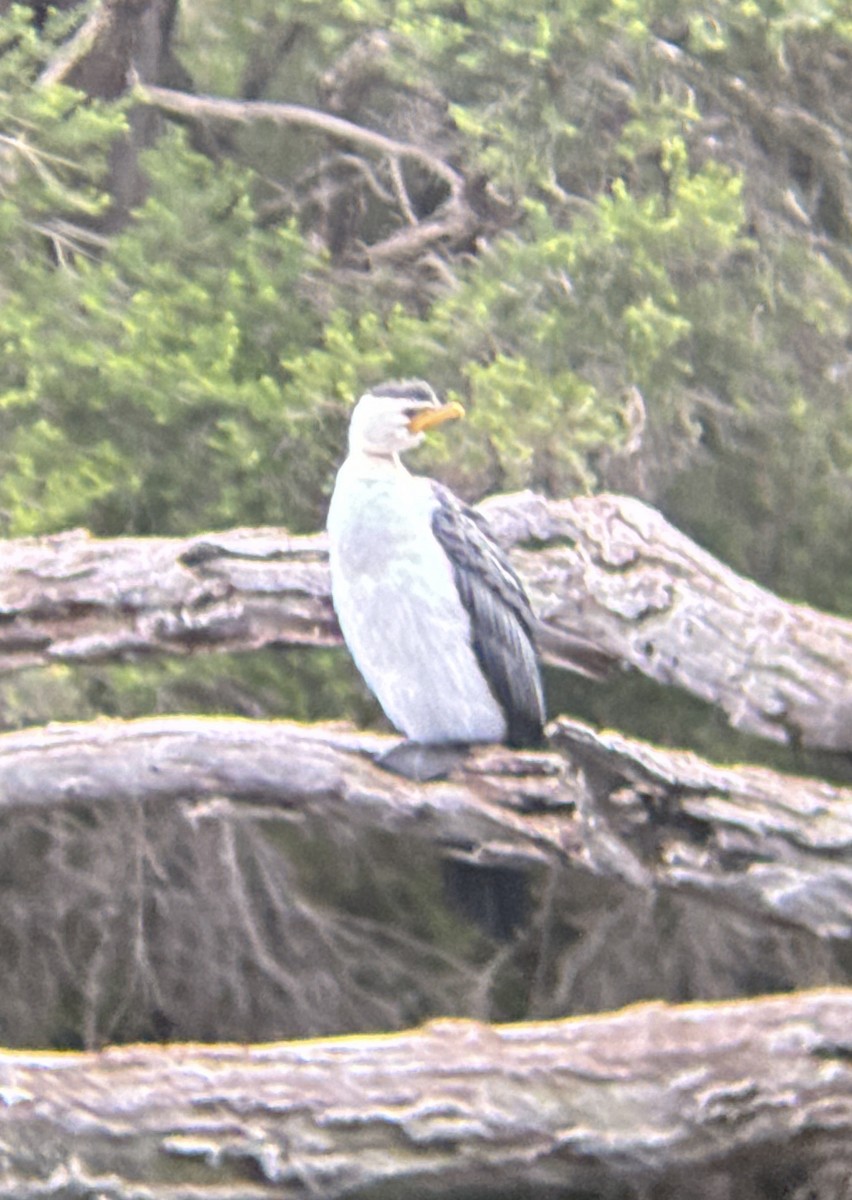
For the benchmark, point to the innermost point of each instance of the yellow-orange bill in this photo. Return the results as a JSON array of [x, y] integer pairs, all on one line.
[[428, 418]]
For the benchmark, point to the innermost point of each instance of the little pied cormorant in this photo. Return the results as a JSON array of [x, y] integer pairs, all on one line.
[[434, 616]]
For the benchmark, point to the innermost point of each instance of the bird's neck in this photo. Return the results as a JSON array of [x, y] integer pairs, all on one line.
[[362, 462]]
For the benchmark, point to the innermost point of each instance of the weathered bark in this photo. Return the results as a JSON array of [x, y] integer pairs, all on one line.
[[615, 570], [72, 598], [759, 840], [705, 1101], [607, 568]]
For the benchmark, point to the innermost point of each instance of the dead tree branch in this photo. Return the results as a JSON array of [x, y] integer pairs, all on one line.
[[609, 569], [118, 40], [453, 221], [244, 111], [183, 104], [680, 1099]]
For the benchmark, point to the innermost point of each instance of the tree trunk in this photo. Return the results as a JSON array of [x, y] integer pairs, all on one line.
[[607, 569], [704, 1101], [121, 40]]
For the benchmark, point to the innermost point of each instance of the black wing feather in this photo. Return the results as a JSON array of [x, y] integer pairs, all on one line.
[[501, 618]]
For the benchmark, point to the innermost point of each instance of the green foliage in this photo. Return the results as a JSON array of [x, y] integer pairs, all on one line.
[[195, 367], [544, 332], [141, 389], [54, 142]]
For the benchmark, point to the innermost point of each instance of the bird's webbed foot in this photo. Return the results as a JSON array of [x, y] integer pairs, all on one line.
[[423, 762]]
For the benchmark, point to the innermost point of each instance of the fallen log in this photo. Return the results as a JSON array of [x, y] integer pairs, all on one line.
[[702, 1100], [607, 804], [72, 598], [608, 569], [236, 876]]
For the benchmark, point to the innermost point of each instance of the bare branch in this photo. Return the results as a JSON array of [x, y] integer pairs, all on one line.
[[401, 192], [242, 111], [700, 1100], [360, 167], [453, 223]]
